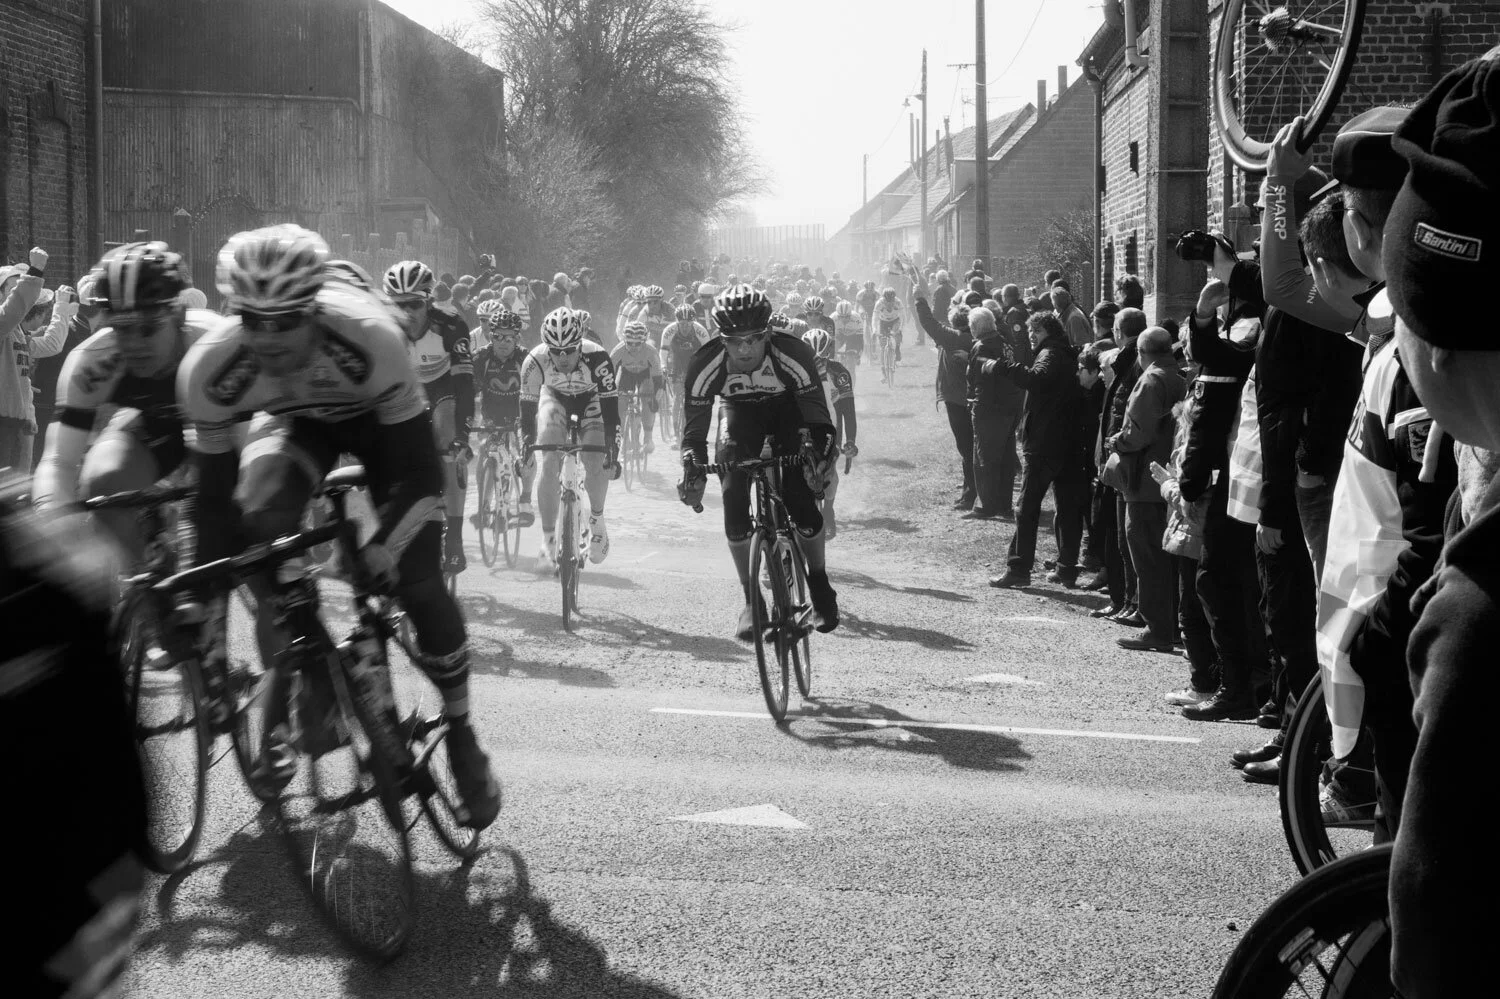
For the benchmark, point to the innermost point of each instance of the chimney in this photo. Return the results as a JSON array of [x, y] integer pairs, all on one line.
[[1062, 80], [1041, 96], [948, 141]]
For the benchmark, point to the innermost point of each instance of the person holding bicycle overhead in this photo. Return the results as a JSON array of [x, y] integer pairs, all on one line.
[[497, 371], [325, 368], [638, 370], [770, 386], [566, 375], [838, 384]]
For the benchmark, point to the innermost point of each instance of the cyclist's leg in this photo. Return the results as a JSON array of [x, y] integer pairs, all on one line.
[[648, 410], [803, 507], [679, 394], [551, 428], [830, 492], [119, 460], [740, 434], [528, 479], [443, 432], [595, 480]]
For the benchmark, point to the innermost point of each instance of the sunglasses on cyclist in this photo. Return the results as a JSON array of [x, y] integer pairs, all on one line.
[[141, 324], [562, 351], [411, 305], [271, 322], [748, 340]]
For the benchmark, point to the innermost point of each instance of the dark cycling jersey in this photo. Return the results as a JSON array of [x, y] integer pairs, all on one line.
[[499, 381], [442, 361], [788, 372]]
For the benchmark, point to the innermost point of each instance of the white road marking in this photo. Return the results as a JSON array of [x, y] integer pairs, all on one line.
[[646, 556], [941, 726], [1002, 678], [1034, 619], [750, 815]]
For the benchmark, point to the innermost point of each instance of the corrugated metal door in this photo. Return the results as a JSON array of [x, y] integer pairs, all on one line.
[[210, 230]]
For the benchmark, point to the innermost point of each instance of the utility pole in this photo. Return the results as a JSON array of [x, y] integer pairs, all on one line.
[[923, 153], [864, 218], [981, 146]]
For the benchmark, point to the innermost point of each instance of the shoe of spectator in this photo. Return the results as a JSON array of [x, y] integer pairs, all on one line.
[[1131, 618], [1260, 754], [1065, 576], [1006, 514], [964, 503], [978, 514], [1340, 809], [1096, 582], [1143, 641], [1186, 696], [1267, 772], [1223, 705], [1091, 564], [1106, 612], [1270, 715], [1012, 580]]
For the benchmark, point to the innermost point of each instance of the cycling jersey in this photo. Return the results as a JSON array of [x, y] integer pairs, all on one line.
[[444, 365], [636, 365], [817, 321], [789, 372], [657, 316], [95, 375], [679, 342], [867, 300], [499, 381], [888, 317], [849, 334], [588, 391], [838, 385]]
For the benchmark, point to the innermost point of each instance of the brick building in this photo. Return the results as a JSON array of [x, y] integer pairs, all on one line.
[[46, 144], [1162, 167]]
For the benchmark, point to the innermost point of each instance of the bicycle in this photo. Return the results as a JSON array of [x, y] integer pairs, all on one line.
[[633, 451], [1329, 934], [888, 359], [335, 742], [1307, 765], [500, 486], [572, 529], [1260, 51], [776, 551]]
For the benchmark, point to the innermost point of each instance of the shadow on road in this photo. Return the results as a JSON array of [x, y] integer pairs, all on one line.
[[1074, 598], [853, 624], [482, 932], [890, 463], [845, 725], [896, 525], [862, 581], [628, 630]]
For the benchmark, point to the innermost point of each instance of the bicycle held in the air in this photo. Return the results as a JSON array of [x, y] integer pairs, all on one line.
[[572, 525], [778, 571]]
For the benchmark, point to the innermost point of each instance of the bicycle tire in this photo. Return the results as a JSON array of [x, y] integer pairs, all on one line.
[[1344, 901], [794, 565], [775, 680], [1251, 154], [167, 849], [438, 794], [317, 829], [511, 535], [243, 682], [1303, 758], [489, 531], [567, 558]]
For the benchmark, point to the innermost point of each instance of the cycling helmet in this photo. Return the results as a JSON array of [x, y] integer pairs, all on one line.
[[409, 279], [561, 330], [844, 309], [276, 269], [706, 290], [654, 292], [686, 314], [504, 319], [638, 293], [813, 304], [793, 302], [138, 276], [487, 308], [820, 342], [889, 294], [635, 332], [740, 310], [350, 273], [585, 320]]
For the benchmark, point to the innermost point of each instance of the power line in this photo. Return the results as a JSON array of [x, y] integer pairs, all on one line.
[[1022, 47], [893, 128]]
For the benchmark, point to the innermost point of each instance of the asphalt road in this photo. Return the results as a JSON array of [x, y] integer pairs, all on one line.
[[985, 797]]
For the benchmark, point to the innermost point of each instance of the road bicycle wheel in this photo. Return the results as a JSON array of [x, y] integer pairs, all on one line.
[[490, 529], [239, 677], [172, 737], [567, 559], [1273, 64], [769, 611], [432, 781], [345, 824], [1309, 746], [510, 498], [799, 623], [632, 446], [1327, 935]]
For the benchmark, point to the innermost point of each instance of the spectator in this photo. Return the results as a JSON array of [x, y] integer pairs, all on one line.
[[994, 408], [977, 271], [1091, 381], [1183, 541], [442, 293], [1173, 328], [1048, 448], [943, 290], [1080, 330], [1145, 435], [1104, 320], [954, 344], [1120, 374], [539, 291], [44, 373], [462, 306], [1129, 294], [1051, 278], [578, 294], [980, 285], [23, 314], [556, 296]]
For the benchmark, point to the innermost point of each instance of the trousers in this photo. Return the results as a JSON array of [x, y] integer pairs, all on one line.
[[995, 456], [1069, 491], [962, 426]]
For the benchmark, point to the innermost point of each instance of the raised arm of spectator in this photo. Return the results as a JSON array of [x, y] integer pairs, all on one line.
[[51, 340], [1285, 282]]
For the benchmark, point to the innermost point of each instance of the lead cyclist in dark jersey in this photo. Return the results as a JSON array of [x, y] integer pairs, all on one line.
[[325, 369], [770, 386]]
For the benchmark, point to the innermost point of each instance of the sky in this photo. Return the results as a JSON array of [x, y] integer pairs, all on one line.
[[832, 75]]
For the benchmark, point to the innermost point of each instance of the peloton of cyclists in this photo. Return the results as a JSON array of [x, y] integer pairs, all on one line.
[[638, 372]]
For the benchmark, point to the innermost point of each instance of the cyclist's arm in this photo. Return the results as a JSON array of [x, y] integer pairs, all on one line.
[[55, 483], [86, 381], [603, 370], [654, 368], [461, 367], [699, 387], [531, 392]]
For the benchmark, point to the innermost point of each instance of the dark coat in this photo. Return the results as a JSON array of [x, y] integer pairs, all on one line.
[[953, 347], [1148, 428], [1048, 427]]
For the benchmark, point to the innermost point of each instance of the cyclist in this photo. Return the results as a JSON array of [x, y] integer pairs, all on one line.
[[635, 301], [679, 342], [848, 336], [812, 314], [130, 365], [567, 375], [888, 318], [327, 371], [437, 342], [497, 370], [793, 304], [866, 300], [769, 385], [637, 366], [838, 385], [656, 314]]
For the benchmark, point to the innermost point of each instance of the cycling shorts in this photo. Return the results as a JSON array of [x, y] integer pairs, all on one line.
[[131, 431], [438, 389], [553, 410], [742, 431], [853, 343], [633, 381]]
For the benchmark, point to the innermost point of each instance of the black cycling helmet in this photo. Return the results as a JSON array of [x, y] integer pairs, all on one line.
[[741, 309], [138, 276]]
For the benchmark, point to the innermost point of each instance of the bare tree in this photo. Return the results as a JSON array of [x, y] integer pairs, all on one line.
[[1066, 242]]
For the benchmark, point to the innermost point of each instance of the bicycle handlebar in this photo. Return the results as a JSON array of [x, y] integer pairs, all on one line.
[[133, 499], [570, 448], [749, 465], [253, 559]]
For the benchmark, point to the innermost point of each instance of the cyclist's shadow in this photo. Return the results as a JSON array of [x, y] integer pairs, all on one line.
[[849, 724]]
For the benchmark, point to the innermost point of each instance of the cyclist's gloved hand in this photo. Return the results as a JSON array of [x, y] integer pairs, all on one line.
[[378, 566], [851, 450], [612, 464], [694, 481]]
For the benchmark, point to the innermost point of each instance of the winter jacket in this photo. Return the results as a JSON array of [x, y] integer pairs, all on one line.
[[1125, 372], [1080, 328], [1047, 427], [1214, 402], [1086, 430], [1147, 429], [953, 347], [18, 348], [1185, 518]]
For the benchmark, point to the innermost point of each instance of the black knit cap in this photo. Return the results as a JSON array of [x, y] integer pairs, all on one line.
[[1443, 233], [1363, 156]]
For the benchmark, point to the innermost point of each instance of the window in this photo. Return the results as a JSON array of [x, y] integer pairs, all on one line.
[[1135, 158], [1131, 258]]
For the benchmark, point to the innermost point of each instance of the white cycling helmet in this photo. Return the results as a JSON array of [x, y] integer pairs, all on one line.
[[279, 268], [409, 279], [350, 273], [820, 342], [585, 320], [813, 304], [844, 309], [561, 330], [488, 308], [654, 292], [635, 332]]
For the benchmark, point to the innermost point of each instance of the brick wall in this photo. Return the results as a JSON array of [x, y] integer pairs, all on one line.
[[1127, 224], [45, 136]]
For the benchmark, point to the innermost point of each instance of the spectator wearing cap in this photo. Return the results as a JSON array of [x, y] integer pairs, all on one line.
[[1103, 318], [26, 333], [1080, 330], [81, 326], [1441, 234], [1145, 436], [954, 344], [1049, 447]]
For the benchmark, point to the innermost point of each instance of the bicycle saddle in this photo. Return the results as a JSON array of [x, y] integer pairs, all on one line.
[[348, 477]]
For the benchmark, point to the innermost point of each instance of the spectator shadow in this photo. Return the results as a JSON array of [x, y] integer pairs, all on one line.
[[497, 658], [889, 462], [863, 581], [1082, 599], [881, 415], [853, 624], [854, 724], [624, 628], [483, 930], [896, 525]]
